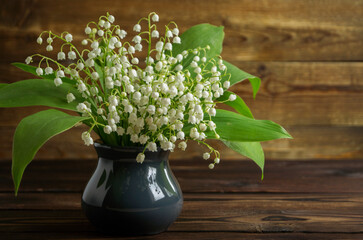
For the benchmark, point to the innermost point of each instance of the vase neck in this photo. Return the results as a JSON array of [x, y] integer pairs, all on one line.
[[129, 153]]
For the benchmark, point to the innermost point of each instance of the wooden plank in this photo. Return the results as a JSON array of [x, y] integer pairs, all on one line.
[[309, 142], [284, 77], [272, 30], [170, 235], [194, 176], [317, 142], [279, 77], [330, 92], [311, 93], [303, 108], [290, 90], [340, 213]]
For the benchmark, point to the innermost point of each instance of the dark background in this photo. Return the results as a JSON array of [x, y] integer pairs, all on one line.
[[308, 54]]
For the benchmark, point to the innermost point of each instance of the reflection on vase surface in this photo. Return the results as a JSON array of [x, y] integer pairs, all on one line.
[[126, 197], [154, 188]]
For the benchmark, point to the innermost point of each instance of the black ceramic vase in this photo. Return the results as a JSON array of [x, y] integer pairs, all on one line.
[[128, 198]]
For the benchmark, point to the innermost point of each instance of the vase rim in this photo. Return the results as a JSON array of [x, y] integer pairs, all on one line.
[[128, 153], [98, 144]]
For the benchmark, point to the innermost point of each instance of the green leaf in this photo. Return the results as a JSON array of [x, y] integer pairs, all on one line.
[[237, 75], [200, 36], [32, 70], [239, 105], [235, 127], [252, 150], [40, 92], [32, 132], [3, 85]]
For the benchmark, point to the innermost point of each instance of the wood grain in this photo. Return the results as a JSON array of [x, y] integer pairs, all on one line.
[[92, 234], [225, 212], [311, 93], [281, 76], [271, 30], [308, 53], [318, 100], [291, 93], [54, 213], [316, 176], [309, 142]]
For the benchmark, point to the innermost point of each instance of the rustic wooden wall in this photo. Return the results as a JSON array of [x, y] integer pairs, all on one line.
[[308, 53]]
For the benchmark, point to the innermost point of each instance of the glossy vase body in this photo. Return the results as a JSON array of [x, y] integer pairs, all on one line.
[[128, 198]]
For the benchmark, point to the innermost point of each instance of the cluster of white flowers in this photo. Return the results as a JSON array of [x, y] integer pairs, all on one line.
[[155, 103]]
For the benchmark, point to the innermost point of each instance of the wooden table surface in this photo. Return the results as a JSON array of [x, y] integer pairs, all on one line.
[[316, 199]]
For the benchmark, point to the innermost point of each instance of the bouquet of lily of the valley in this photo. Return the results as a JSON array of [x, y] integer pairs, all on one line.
[[157, 90]]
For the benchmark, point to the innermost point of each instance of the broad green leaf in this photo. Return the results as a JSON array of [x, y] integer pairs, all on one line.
[[235, 127], [32, 132], [41, 92], [252, 150], [3, 85], [239, 105], [200, 36], [237, 75], [32, 70]]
